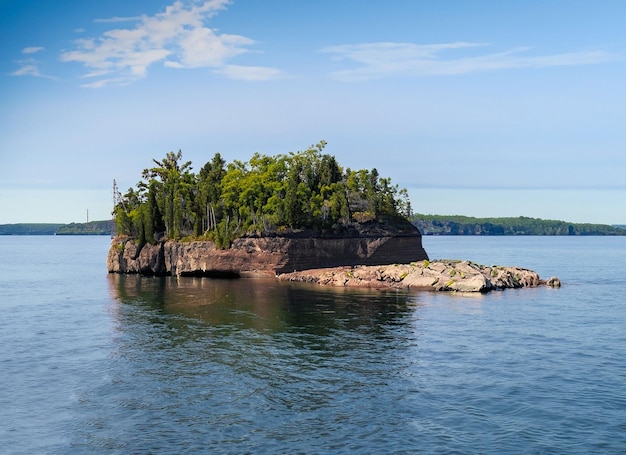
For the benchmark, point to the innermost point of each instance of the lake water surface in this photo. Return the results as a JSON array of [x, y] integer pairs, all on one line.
[[105, 364]]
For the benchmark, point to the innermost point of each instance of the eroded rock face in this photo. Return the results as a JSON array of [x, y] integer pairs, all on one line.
[[264, 255], [377, 262]]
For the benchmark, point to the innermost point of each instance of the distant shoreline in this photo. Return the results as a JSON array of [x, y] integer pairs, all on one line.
[[91, 228], [512, 226], [429, 225]]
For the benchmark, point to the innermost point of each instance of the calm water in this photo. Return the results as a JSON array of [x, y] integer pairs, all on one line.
[[99, 364]]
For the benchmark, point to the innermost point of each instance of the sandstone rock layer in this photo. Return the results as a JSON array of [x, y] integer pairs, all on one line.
[[262, 255], [376, 258]]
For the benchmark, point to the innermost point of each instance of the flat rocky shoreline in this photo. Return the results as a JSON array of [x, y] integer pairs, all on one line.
[[443, 275]]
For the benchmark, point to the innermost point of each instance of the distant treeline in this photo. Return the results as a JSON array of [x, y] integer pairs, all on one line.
[[427, 224], [465, 225], [92, 228], [29, 229]]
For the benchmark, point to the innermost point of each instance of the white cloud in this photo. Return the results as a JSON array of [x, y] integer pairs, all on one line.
[[376, 60], [32, 50], [29, 66], [27, 69], [249, 73], [201, 47], [108, 81], [177, 38], [116, 19]]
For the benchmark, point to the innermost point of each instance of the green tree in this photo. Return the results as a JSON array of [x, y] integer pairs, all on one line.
[[175, 179], [302, 190], [209, 206]]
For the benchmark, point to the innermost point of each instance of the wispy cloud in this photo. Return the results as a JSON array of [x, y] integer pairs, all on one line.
[[32, 50], [116, 19], [175, 38], [249, 73], [377, 60], [29, 66], [26, 69]]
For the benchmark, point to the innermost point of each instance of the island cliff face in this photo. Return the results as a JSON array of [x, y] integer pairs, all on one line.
[[367, 245]]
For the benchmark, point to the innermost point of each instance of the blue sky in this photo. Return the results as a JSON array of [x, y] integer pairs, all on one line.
[[482, 108]]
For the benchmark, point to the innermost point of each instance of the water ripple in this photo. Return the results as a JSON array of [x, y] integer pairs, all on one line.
[[120, 365]]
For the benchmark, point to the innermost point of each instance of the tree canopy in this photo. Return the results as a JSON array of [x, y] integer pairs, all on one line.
[[265, 195]]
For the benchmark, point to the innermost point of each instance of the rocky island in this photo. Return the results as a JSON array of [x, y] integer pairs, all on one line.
[[298, 217]]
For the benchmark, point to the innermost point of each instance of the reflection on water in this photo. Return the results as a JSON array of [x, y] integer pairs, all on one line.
[[258, 366], [262, 304], [256, 363]]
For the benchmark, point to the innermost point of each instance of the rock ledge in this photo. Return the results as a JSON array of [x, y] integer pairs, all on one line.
[[459, 276], [373, 244]]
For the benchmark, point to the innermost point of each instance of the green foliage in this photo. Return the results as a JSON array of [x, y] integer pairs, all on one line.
[[267, 194]]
